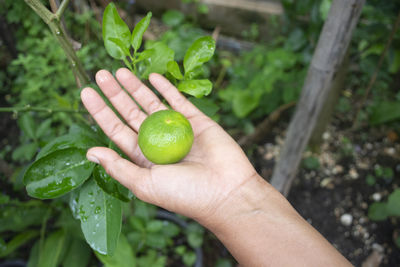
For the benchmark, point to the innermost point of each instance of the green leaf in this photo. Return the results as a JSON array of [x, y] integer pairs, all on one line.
[[78, 254], [25, 152], [123, 256], [173, 17], [18, 241], [68, 141], [197, 88], [324, 8], [34, 255], [53, 248], [174, 69], [27, 125], [145, 54], [244, 102], [155, 240], [101, 217], [93, 131], [393, 204], [158, 61], [198, 53], [152, 258], [121, 45], [43, 128], [138, 31], [195, 235], [110, 185], [189, 258], [154, 226], [223, 263], [377, 211], [207, 106], [74, 203], [115, 27], [21, 216], [385, 112], [170, 229], [311, 163], [57, 173]]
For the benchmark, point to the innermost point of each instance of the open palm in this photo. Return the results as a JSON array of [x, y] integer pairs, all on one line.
[[198, 185]]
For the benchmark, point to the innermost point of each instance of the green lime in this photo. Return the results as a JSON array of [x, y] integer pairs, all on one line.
[[165, 137]]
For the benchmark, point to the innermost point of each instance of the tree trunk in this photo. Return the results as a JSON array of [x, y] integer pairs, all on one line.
[[328, 56]]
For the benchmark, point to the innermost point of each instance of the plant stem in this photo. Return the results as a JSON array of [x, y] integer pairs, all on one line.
[[128, 64], [62, 8], [53, 21], [28, 108]]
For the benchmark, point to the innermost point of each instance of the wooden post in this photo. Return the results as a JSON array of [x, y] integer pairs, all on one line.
[[327, 59]]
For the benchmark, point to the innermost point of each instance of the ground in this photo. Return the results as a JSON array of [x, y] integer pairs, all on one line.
[[334, 197]]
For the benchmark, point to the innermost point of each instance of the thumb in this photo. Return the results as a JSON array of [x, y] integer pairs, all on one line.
[[130, 175]]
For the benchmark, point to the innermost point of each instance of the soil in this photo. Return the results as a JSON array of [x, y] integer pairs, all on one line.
[[334, 197]]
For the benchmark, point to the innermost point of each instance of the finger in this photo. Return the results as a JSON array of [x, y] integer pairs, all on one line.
[[127, 173], [120, 99], [141, 93], [173, 96], [119, 133]]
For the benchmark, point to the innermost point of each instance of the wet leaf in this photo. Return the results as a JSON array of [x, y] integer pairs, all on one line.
[[57, 173], [198, 53], [101, 217], [110, 185], [196, 88], [123, 256], [68, 141]]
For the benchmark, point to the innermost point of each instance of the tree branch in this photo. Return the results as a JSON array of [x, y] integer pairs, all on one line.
[[62, 8], [53, 21], [41, 10]]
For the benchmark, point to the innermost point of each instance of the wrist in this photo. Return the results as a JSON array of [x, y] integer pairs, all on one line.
[[255, 197]]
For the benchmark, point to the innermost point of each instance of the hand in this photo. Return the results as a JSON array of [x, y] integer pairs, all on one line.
[[198, 185]]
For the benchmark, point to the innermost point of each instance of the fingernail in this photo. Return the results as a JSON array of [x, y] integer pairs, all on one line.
[[93, 159]]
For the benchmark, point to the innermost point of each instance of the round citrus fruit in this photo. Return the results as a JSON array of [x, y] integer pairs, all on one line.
[[165, 137]]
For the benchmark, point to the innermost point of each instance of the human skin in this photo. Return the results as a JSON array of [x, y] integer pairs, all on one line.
[[215, 184]]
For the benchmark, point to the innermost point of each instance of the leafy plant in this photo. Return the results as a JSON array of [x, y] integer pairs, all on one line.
[[61, 168], [157, 57], [380, 211]]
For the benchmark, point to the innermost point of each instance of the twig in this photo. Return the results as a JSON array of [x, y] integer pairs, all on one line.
[[28, 108], [53, 21], [264, 127], [62, 8], [377, 69]]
